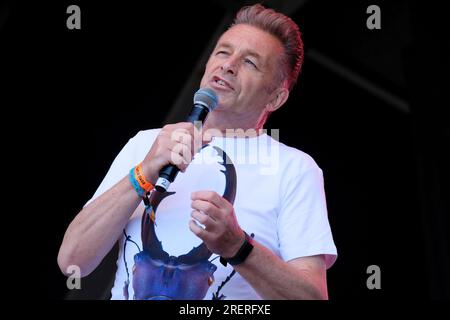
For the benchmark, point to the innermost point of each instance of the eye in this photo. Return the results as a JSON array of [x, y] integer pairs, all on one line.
[[221, 52], [251, 63]]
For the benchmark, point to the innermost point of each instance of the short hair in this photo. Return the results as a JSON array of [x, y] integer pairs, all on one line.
[[284, 29]]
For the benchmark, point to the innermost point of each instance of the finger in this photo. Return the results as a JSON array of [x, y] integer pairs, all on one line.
[[191, 140], [179, 125], [183, 150], [203, 218], [209, 196], [177, 160], [206, 140], [189, 126], [207, 136], [181, 135], [206, 207], [167, 140], [197, 230]]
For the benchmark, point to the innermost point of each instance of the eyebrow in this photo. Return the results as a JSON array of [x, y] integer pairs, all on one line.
[[247, 51]]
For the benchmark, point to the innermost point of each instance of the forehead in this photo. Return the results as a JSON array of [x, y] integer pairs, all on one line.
[[243, 37]]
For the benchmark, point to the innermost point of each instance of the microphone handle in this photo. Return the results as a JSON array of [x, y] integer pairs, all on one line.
[[169, 172], [198, 113]]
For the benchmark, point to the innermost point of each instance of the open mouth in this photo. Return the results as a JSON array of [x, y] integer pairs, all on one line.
[[222, 83]]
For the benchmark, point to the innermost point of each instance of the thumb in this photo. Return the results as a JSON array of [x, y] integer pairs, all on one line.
[[206, 138]]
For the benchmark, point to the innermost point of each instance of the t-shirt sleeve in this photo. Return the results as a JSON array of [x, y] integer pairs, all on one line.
[[303, 226], [127, 158]]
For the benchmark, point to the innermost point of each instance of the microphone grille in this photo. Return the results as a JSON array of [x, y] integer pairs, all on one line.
[[206, 97]]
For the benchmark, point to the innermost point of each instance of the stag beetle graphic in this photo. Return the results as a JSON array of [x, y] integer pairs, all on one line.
[[159, 276]]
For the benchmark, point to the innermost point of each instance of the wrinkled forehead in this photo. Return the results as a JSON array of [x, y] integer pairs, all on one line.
[[246, 38]]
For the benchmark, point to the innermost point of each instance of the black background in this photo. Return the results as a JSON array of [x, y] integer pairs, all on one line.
[[77, 96]]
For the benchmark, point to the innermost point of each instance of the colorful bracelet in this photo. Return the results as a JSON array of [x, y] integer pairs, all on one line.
[[138, 181], [131, 176], [143, 188], [139, 175]]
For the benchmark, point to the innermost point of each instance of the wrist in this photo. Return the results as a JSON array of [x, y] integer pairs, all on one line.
[[150, 174], [139, 182], [234, 248], [242, 253]]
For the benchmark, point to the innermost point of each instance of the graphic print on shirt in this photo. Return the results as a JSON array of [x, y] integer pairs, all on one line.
[[160, 276]]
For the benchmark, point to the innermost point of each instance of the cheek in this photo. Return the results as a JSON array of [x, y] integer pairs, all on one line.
[[203, 81], [250, 89], [206, 75], [255, 95]]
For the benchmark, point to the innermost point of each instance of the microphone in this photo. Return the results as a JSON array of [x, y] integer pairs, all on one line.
[[205, 100]]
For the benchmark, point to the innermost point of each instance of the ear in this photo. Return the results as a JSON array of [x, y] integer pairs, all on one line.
[[278, 97]]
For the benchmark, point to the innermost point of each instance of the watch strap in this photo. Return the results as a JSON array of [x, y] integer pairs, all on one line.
[[242, 253]]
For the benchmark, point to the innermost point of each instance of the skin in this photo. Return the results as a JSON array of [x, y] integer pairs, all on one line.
[[246, 59], [85, 242]]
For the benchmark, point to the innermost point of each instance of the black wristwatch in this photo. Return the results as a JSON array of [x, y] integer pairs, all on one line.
[[242, 253]]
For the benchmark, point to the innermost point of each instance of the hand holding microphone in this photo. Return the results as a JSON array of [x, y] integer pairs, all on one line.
[[173, 149]]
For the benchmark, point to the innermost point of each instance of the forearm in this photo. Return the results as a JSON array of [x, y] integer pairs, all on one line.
[[273, 278], [94, 231]]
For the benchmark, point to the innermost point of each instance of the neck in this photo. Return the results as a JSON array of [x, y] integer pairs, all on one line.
[[224, 124]]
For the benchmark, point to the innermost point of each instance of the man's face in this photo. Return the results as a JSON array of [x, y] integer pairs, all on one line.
[[243, 68]]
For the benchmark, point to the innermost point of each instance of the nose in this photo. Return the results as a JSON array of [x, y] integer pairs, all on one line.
[[230, 66]]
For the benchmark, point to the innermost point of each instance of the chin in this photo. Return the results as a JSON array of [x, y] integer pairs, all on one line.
[[226, 101], [222, 107]]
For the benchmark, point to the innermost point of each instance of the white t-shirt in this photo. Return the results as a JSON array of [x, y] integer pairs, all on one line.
[[279, 198]]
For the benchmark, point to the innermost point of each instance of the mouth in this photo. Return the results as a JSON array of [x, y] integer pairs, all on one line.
[[220, 83]]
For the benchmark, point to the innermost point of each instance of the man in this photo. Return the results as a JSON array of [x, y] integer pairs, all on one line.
[[252, 69]]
